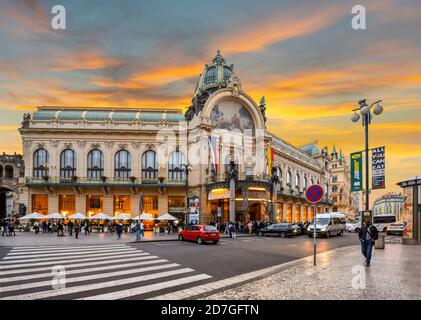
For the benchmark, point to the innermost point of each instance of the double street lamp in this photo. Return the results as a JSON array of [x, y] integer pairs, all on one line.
[[186, 168], [366, 116]]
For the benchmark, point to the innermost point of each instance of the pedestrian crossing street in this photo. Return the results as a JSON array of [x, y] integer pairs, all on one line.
[[102, 272]]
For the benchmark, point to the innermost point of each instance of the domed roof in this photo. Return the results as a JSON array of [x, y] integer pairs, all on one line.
[[215, 75]]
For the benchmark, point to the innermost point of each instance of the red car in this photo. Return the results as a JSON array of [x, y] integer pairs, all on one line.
[[200, 233]]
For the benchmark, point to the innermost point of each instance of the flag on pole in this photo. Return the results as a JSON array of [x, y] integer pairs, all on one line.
[[270, 160], [214, 152]]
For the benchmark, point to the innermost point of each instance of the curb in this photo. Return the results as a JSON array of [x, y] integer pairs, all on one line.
[[176, 239]]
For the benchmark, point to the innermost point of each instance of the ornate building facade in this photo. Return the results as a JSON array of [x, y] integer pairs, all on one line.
[[215, 162], [11, 177], [389, 204], [340, 185]]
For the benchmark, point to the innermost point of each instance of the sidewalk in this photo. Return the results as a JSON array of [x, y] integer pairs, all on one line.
[[45, 239], [394, 274]]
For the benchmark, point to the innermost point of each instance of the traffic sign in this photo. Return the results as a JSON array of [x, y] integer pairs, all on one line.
[[314, 193]]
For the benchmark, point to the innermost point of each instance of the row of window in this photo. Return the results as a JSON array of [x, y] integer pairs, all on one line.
[[122, 164], [305, 182]]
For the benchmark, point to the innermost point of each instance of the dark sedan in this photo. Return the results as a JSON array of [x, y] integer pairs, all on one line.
[[281, 229]]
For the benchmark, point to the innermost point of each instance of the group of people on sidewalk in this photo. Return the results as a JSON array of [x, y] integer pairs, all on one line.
[[8, 227]]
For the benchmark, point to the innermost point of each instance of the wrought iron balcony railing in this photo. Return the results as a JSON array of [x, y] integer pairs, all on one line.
[[103, 181]]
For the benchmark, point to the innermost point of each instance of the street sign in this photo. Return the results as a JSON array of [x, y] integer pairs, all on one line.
[[314, 193], [219, 212]]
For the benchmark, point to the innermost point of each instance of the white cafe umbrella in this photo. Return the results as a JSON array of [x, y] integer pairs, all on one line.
[[121, 216], [54, 216], [144, 216], [78, 216], [34, 215], [100, 216], [166, 216]]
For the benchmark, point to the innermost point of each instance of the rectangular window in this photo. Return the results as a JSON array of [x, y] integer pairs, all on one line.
[[94, 204], [40, 203], [334, 178], [176, 203], [121, 204], [67, 204]]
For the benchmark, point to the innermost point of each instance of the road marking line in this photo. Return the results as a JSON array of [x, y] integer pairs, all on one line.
[[86, 278], [81, 249], [106, 256], [15, 261], [95, 286], [53, 254], [75, 265], [48, 249], [147, 288]]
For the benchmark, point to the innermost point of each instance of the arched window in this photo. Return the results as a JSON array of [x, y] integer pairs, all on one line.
[[8, 172], [335, 189], [288, 177], [175, 168], [297, 180], [122, 164], [67, 163], [227, 73], [40, 163], [149, 165], [210, 75], [95, 164], [304, 182], [312, 181]]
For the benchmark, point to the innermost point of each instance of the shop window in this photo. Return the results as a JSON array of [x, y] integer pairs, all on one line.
[[94, 204], [67, 204], [121, 204], [150, 204], [176, 203], [40, 203]]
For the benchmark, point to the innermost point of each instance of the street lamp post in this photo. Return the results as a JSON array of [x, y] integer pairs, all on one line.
[[365, 110], [186, 168]]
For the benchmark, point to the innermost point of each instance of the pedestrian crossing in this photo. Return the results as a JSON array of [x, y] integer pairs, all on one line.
[[105, 272]]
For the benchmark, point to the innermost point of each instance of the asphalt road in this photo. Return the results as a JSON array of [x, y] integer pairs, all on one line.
[[117, 272]]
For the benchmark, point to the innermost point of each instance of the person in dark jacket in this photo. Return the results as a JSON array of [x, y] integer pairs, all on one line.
[[367, 235], [77, 229], [70, 226], [119, 230]]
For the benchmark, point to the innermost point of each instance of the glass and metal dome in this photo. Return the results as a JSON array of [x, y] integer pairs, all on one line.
[[215, 75]]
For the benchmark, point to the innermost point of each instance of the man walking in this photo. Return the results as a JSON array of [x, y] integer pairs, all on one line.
[[5, 227], [367, 235], [70, 226], [138, 231], [119, 230], [77, 229]]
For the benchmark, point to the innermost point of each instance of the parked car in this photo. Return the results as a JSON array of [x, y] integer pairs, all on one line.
[[200, 234], [302, 228], [280, 229], [328, 224], [353, 226], [396, 228]]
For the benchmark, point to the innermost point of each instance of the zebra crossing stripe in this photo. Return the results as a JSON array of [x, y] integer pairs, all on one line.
[[79, 271], [143, 256], [53, 254], [20, 253], [105, 256], [48, 249], [87, 278], [16, 261], [148, 288], [95, 286]]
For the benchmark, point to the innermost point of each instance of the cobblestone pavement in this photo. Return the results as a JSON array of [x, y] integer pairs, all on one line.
[[394, 274]]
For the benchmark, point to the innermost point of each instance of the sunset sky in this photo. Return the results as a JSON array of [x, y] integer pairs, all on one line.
[[303, 56]]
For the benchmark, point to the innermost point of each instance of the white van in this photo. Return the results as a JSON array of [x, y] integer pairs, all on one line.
[[327, 224]]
